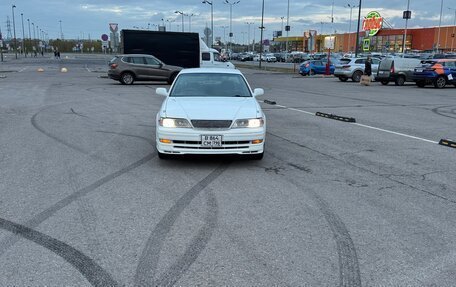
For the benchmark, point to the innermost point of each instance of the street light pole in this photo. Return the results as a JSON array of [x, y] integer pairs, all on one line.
[[231, 22], [190, 21], [14, 29], [406, 26], [454, 29], [288, 30], [248, 24], [440, 24], [357, 29], [212, 20], [261, 36], [351, 6], [23, 36], [224, 36], [30, 35], [61, 31], [182, 13], [33, 48]]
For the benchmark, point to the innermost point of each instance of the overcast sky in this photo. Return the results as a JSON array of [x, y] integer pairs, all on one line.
[[83, 18]]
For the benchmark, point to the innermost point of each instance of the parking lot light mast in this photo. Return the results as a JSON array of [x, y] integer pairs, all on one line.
[[212, 20], [440, 24], [182, 13], [287, 28], [248, 24], [30, 35], [231, 22], [23, 35], [357, 29], [14, 30], [454, 29], [351, 6], [407, 17], [261, 35]]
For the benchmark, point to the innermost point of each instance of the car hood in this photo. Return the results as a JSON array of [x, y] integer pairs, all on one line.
[[206, 108]]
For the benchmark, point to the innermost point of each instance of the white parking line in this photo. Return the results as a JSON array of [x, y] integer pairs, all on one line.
[[366, 126], [88, 70], [23, 69]]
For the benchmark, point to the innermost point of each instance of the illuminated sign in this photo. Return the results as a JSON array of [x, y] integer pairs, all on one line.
[[373, 22]]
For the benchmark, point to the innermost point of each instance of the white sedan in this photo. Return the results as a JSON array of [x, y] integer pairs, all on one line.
[[210, 111]]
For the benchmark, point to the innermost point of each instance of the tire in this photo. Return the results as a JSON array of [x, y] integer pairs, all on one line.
[[171, 78], [127, 78], [421, 84], [440, 82], [384, 82], [343, 79], [357, 76], [400, 81], [163, 155]]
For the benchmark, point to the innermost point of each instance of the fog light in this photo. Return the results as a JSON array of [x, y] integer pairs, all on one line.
[[166, 141], [257, 141]]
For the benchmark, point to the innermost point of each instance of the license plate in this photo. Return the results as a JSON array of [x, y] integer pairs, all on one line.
[[211, 141], [419, 70]]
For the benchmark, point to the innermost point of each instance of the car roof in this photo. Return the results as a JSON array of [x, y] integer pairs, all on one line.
[[210, 71]]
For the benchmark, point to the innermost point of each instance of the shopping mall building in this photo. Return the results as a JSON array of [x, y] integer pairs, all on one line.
[[375, 37]]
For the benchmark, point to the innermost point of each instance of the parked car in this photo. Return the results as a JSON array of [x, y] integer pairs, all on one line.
[[397, 70], [313, 67], [139, 67], [210, 111], [245, 57], [270, 58], [353, 68], [438, 72]]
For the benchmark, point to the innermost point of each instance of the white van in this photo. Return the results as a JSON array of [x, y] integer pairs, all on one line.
[[211, 58], [397, 70]]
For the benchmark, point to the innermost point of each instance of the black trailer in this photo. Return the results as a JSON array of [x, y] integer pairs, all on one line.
[[172, 48]]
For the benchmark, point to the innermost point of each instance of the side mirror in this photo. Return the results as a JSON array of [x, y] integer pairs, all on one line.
[[161, 92], [258, 92]]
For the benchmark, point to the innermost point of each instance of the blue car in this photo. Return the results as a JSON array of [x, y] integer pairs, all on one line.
[[313, 67]]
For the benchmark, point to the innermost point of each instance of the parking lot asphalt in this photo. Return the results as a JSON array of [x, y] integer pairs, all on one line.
[[85, 201]]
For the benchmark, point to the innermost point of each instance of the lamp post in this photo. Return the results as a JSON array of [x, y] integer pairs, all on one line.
[[23, 36], [406, 16], [61, 31], [212, 20], [357, 29], [14, 29], [287, 28], [170, 21], [224, 36], [190, 21], [261, 36], [30, 34], [454, 28], [231, 22], [351, 6], [182, 13], [248, 24], [440, 24], [33, 48]]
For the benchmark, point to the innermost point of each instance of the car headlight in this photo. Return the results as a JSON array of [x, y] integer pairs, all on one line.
[[249, 123], [174, 123]]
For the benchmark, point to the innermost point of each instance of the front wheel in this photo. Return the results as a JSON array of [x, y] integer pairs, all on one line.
[[440, 82], [127, 78], [384, 82], [357, 76]]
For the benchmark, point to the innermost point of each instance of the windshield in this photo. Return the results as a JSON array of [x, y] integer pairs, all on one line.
[[210, 85]]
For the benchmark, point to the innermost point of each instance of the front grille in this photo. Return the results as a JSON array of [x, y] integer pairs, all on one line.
[[211, 124]]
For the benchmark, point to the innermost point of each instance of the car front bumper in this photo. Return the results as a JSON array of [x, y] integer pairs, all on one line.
[[188, 141]]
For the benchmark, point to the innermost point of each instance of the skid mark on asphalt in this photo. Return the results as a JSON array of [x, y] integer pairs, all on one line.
[[349, 273], [196, 246], [93, 272], [445, 111], [50, 211], [36, 125], [148, 262]]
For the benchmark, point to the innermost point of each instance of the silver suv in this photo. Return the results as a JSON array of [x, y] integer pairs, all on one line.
[[353, 68], [139, 67]]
